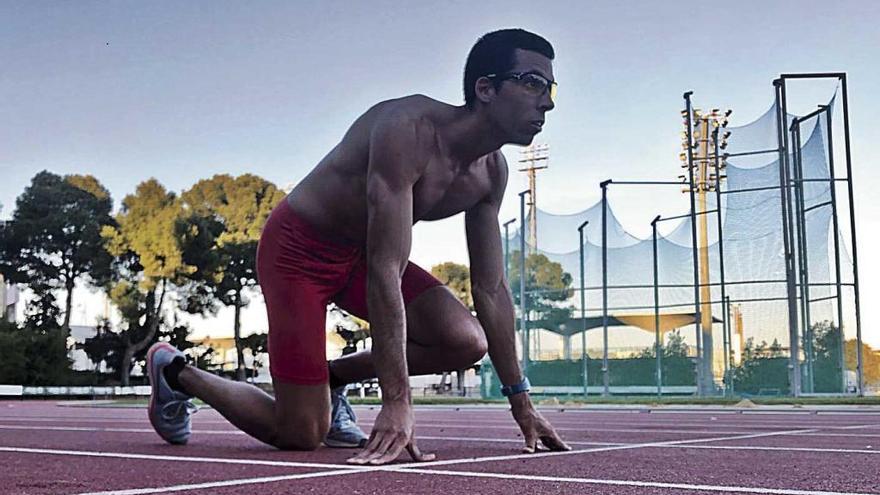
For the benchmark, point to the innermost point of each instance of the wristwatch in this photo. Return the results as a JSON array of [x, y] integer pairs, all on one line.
[[516, 388]]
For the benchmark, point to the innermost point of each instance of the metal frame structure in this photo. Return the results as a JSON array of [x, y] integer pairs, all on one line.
[[797, 282]]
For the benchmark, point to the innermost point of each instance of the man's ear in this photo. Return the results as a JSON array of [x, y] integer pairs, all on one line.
[[484, 89]]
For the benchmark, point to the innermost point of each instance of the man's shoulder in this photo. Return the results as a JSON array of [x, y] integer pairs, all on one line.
[[413, 110]]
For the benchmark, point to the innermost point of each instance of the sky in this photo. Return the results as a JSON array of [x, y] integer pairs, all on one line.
[[180, 91]]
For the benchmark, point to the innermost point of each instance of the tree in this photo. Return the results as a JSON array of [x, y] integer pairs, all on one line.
[[230, 214], [148, 262], [870, 361], [547, 285], [54, 238], [458, 278], [34, 353]]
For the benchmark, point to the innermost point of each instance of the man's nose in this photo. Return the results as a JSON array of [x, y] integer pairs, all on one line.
[[547, 102]]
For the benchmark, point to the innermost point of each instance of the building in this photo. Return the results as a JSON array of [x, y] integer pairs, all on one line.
[[9, 298]]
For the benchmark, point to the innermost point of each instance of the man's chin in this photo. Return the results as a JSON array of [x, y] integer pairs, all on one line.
[[524, 140]]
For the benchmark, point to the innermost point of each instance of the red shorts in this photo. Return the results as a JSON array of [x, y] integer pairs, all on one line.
[[300, 271]]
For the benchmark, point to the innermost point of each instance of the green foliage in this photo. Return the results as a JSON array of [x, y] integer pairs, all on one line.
[[225, 217], [764, 367], [148, 258], [458, 278], [54, 238], [547, 285], [34, 356]]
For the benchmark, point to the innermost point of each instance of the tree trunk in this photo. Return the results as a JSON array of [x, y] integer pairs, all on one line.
[[68, 305], [125, 367], [239, 350], [153, 318]]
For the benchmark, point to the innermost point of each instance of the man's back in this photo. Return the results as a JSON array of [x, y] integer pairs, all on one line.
[[333, 196]]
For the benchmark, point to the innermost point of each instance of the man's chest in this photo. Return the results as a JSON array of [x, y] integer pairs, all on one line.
[[443, 192]]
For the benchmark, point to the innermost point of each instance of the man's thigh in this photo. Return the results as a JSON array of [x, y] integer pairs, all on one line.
[[353, 298], [435, 317]]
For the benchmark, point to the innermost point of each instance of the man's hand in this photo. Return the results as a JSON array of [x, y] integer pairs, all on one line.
[[392, 431], [534, 426]]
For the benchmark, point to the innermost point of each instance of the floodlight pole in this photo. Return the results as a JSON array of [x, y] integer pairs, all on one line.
[[658, 349], [605, 383], [585, 370], [523, 325], [697, 313]]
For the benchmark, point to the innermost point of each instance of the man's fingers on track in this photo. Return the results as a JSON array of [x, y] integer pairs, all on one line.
[[553, 442], [391, 453], [531, 444], [386, 443], [417, 455], [369, 450]]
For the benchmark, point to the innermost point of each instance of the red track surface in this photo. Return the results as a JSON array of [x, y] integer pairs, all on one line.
[[49, 449]]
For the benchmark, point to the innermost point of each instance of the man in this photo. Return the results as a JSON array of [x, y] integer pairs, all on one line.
[[347, 228]]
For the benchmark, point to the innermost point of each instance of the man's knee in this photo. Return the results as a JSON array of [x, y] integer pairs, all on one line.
[[302, 437], [475, 344]]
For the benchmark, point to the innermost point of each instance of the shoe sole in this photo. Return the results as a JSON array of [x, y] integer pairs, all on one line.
[[154, 386], [337, 444]]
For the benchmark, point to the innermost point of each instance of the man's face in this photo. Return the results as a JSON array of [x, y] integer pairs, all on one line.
[[521, 104]]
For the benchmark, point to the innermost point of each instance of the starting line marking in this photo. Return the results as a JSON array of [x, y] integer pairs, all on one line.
[[419, 469], [481, 439]]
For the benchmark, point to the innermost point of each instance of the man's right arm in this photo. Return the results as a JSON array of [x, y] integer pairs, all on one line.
[[391, 174], [395, 164]]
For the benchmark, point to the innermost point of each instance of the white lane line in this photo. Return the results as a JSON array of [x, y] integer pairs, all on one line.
[[221, 484], [603, 449], [418, 468], [111, 430], [641, 484], [707, 447], [176, 458], [512, 427], [491, 440]]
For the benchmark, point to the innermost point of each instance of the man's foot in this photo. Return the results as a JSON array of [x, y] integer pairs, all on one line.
[[344, 433], [170, 410]]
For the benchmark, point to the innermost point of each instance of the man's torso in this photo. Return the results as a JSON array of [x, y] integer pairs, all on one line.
[[332, 197]]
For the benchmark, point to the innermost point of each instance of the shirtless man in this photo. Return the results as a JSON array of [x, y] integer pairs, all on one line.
[[347, 228]]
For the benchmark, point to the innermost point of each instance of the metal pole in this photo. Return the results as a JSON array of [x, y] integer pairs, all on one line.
[[605, 383], [697, 315], [797, 169], [852, 221], [523, 321], [834, 222], [583, 308], [787, 241], [507, 249], [724, 326], [658, 349], [729, 343]]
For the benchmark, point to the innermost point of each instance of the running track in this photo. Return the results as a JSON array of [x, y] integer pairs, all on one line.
[[47, 448]]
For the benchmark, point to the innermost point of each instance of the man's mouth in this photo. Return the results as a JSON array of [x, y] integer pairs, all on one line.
[[537, 124]]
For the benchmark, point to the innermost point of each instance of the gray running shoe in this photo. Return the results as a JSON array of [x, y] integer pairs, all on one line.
[[344, 433], [170, 411]]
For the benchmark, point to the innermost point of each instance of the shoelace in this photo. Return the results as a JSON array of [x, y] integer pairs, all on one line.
[[176, 408]]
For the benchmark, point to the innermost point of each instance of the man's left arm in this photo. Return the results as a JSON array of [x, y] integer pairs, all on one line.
[[494, 305]]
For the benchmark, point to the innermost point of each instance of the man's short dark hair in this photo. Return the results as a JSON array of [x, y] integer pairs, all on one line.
[[494, 53]]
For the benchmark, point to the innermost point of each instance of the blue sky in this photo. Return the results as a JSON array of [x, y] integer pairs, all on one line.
[[180, 91]]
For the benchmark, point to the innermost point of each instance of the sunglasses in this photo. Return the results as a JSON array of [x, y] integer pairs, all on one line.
[[534, 83]]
